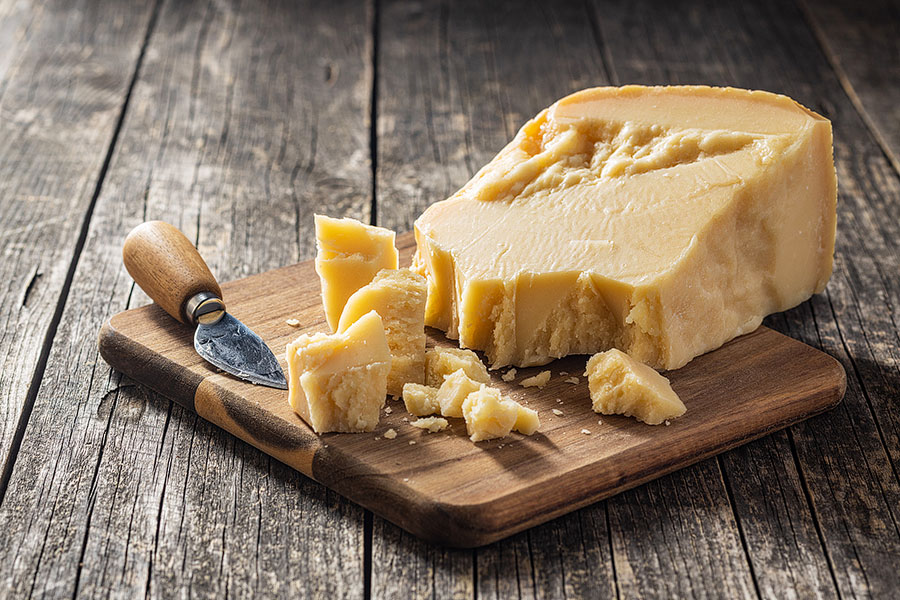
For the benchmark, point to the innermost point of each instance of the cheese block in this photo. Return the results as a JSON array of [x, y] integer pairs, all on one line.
[[620, 385], [440, 362], [398, 296], [349, 254], [454, 391], [663, 221], [421, 400], [489, 415], [338, 382]]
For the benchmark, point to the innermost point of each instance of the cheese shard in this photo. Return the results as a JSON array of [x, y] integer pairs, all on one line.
[[338, 382], [663, 221], [440, 362], [453, 392], [398, 296], [489, 415], [620, 385], [421, 400], [431, 424], [349, 255]]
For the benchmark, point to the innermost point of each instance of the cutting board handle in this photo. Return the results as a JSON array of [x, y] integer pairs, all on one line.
[[168, 268]]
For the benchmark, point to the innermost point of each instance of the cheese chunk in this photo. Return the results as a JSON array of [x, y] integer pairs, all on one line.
[[349, 255], [431, 424], [440, 362], [421, 400], [454, 391], [622, 386], [538, 381], [338, 382], [660, 220], [398, 296], [489, 415]]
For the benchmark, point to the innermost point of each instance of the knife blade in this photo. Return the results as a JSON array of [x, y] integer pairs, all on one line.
[[165, 264]]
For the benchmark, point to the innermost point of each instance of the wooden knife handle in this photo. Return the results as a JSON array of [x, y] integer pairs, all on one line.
[[168, 267]]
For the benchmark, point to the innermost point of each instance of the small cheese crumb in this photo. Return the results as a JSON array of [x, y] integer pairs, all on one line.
[[563, 373], [406, 479], [557, 412], [377, 438], [412, 442], [599, 421], [388, 410], [668, 423], [390, 434], [431, 424], [538, 381], [406, 419], [509, 375], [293, 322], [586, 431], [572, 380]]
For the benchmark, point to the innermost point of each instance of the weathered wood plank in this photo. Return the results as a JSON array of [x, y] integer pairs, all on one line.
[[862, 42], [64, 74], [854, 505], [458, 81], [245, 119]]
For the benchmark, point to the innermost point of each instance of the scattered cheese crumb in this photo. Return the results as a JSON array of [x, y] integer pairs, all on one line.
[[377, 438], [293, 322], [538, 381], [562, 373], [599, 421], [406, 419], [431, 424], [586, 431], [388, 410], [668, 423], [390, 434], [572, 380], [412, 442], [406, 479], [509, 375], [559, 400], [557, 412]]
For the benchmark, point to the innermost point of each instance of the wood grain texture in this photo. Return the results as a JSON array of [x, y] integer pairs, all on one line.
[[862, 43], [442, 487], [63, 82], [245, 119], [850, 510]]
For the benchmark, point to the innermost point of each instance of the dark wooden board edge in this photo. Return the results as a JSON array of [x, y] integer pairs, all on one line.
[[453, 525]]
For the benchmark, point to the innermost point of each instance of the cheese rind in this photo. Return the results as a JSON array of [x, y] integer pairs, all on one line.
[[398, 296], [338, 382], [349, 254], [421, 400], [620, 385], [440, 362], [660, 220]]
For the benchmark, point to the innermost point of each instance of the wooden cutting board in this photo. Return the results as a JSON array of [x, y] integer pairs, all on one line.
[[440, 486]]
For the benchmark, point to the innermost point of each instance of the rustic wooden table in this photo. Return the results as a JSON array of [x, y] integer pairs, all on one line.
[[236, 121]]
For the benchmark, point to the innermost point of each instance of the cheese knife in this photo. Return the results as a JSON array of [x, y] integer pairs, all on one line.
[[168, 267]]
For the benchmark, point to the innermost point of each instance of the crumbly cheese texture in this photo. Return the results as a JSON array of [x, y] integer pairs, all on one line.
[[454, 391], [420, 400], [489, 415], [398, 296], [660, 220], [431, 424], [338, 382], [349, 254], [538, 381], [440, 362], [620, 385]]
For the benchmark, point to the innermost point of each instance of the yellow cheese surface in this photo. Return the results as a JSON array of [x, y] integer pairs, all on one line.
[[338, 382], [489, 415], [440, 362], [660, 220], [620, 385], [453, 392], [421, 400], [349, 254], [398, 296]]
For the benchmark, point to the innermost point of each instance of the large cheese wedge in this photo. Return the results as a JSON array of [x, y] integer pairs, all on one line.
[[663, 221]]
